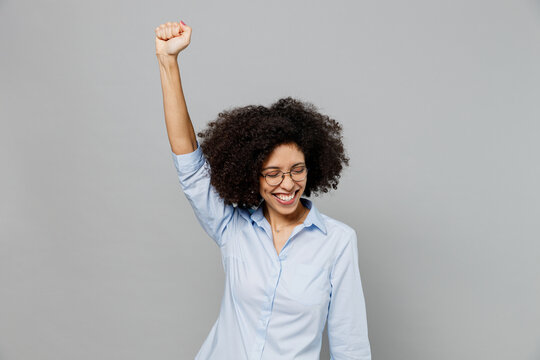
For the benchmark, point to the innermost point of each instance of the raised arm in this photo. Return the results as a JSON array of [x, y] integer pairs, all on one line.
[[192, 168], [171, 38]]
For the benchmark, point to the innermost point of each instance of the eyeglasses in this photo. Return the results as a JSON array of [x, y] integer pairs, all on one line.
[[275, 177]]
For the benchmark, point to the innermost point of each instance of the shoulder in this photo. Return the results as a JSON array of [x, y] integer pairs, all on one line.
[[338, 231], [244, 213]]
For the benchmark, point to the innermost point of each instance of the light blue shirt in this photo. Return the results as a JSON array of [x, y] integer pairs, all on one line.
[[275, 307]]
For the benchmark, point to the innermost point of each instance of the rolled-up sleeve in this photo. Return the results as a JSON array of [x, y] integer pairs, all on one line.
[[347, 321], [194, 175]]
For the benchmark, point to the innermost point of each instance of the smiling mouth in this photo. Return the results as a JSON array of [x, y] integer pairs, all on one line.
[[285, 199]]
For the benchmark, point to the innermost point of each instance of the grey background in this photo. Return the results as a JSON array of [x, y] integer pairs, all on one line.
[[100, 254]]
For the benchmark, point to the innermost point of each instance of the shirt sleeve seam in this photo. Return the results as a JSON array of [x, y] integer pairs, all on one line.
[[190, 162], [341, 252]]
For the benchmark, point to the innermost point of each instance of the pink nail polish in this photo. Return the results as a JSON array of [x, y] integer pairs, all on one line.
[[183, 23]]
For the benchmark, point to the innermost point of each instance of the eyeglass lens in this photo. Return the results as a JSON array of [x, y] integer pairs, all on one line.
[[276, 177]]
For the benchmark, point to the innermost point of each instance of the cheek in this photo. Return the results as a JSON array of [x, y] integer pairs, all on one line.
[[262, 187]]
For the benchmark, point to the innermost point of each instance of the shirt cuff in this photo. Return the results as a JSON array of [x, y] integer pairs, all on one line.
[[190, 162]]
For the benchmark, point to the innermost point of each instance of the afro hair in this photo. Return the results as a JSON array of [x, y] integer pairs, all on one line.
[[237, 143]]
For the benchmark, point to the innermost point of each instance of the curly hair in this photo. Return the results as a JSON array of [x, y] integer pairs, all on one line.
[[237, 143]]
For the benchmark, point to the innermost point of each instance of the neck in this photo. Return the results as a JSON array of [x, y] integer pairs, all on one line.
[[278, 220]]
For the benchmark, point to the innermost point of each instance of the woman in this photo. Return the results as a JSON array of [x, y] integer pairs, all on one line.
[[289, 269]]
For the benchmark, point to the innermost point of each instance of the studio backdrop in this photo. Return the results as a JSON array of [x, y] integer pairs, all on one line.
[[101, 256]]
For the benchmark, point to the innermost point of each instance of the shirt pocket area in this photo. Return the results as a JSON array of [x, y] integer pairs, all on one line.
[[310, 285]]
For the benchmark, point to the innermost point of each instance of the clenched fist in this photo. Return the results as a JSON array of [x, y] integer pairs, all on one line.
[[171, 38]]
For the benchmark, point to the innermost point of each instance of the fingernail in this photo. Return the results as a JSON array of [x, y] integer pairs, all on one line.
[[183, 23]]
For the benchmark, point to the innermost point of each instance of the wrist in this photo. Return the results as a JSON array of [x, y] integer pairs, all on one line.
[[167, 59]]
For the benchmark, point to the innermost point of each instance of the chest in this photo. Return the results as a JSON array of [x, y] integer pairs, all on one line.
[[280, 238], [291, 282], [287, 267]]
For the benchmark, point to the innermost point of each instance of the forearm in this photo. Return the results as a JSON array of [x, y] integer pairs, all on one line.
[[179, 127]]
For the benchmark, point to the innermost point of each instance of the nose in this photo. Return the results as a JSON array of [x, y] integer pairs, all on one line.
[[287, 183]]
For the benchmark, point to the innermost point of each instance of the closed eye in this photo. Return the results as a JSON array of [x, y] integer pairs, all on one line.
[[274, 174]]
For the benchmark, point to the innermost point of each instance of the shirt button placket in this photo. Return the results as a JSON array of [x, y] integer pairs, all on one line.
[[267, 310]]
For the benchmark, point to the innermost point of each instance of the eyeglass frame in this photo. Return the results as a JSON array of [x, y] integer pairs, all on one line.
[[283, 176]]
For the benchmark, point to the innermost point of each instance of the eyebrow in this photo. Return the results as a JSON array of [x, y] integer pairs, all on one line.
[[276, 167]]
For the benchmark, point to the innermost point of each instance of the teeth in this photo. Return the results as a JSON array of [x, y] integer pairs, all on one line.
[[285, 198]]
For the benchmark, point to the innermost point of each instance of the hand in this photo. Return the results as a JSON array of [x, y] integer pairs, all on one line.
[[171, 38]]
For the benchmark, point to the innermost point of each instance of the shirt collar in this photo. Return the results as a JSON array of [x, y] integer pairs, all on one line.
[[313, 218]]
